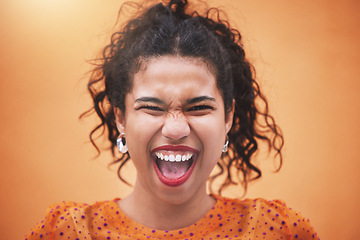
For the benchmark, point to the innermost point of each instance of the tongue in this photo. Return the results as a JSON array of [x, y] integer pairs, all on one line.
[[173, 170]]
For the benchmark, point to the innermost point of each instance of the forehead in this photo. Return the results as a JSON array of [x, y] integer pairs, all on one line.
[[152, 63], [167, 72]]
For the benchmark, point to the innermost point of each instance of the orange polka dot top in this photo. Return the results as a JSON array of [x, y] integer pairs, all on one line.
[[248, 219]]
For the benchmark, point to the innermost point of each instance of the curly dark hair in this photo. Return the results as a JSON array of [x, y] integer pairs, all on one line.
[[173, 29]]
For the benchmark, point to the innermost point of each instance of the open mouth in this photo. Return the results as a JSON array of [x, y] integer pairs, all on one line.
[[174, 166]]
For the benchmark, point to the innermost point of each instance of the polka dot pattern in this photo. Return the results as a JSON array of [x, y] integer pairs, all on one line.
[[229, 219]]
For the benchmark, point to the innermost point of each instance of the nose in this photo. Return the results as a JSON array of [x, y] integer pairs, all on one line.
[[175, 126]]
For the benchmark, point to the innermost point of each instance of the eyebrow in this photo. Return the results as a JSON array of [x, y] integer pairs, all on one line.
[[150, 99], [189, 101], [200, 99]]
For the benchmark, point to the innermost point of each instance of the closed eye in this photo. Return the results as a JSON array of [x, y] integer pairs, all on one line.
[[201, 107], [149, 107]]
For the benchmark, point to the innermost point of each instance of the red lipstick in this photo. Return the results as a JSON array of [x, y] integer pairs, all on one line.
[[173, 148], [176, 148]]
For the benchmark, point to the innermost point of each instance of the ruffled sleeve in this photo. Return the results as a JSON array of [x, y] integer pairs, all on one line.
[[300, 227], [62, 221], [282, 218]]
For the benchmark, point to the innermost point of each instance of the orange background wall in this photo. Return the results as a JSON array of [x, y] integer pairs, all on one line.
[[307, 59]]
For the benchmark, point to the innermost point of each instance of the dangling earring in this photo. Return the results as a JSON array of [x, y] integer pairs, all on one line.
[[121, 143], [226, 145]]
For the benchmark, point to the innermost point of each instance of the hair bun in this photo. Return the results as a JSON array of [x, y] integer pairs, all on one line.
[[178, 5]]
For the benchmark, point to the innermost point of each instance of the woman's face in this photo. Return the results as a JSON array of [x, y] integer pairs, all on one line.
[[175, 127]]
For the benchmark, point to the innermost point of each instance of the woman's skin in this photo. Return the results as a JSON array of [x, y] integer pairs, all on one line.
[[174, 108]]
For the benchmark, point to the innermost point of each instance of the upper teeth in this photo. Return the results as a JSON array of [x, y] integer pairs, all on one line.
[[173, 158]]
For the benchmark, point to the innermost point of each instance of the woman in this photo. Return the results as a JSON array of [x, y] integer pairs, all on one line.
[[177, 97]]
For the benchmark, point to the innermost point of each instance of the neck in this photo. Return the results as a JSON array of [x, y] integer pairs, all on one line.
[[163, 214]]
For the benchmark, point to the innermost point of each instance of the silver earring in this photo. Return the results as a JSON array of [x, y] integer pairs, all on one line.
[[226, 145], [121, 143]]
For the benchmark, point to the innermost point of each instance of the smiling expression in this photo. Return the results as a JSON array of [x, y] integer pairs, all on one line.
[[175, 126]]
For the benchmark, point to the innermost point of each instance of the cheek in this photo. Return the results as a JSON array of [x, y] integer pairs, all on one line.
[[212, 129], [211, 133], [139, 129]]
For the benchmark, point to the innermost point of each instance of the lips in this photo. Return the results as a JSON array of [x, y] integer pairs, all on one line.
[[174, 164]]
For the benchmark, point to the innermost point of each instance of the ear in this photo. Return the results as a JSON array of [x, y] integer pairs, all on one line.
[[119, 120], [229, 117]]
